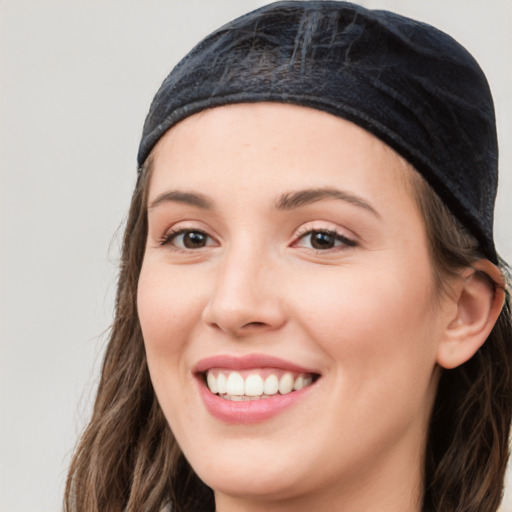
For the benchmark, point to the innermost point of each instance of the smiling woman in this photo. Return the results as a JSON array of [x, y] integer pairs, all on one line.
[[311, 313], [276, 297]]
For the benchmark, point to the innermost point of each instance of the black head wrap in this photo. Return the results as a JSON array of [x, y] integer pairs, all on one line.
[[409, 84]]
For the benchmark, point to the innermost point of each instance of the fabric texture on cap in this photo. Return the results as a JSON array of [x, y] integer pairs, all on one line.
[[409, 84]]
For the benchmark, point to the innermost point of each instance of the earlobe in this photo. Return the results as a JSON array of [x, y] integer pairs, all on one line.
[[478, 305]]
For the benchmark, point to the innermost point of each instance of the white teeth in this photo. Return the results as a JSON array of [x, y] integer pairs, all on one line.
[[242, 398], [271, 386], [222, 384], [235, 385], [286, 384], [212, 383], [253, 385], [298, 384]]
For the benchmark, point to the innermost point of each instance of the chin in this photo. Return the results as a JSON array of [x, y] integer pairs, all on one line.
[[253, 483], [252, 474]]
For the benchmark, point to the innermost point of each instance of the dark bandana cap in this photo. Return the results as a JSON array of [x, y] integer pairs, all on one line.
[[409, 84]]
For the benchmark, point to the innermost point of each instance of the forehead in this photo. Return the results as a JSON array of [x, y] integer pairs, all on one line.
[[274, 143]]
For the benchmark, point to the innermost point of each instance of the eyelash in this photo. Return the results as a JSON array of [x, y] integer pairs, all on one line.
[[338, 237], [172, 234], [345, 242]]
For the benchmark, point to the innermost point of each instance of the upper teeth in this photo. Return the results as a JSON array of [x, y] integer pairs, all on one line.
[[231, 383]]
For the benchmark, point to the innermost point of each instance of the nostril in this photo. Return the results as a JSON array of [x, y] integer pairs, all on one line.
[[255, 324]]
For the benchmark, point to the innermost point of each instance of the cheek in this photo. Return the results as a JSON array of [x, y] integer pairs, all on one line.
[[169, 311], [376, 326], [382, 351]]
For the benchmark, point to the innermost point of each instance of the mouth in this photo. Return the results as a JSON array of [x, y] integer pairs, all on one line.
[[251, 388], [255, 384]]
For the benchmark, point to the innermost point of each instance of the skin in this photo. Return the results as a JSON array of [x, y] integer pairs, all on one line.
[[364, 315]]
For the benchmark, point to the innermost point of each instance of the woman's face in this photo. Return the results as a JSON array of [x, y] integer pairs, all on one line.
[[287, 265]]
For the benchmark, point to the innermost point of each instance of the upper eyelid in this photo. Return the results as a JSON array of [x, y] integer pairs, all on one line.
[[331, 227], [187, 225], [347, 237], [174, 232], [307, 227], [348, 241]]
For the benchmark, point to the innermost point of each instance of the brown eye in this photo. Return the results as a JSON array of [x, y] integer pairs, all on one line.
[[323, 240], [188, 239], [194, 239]]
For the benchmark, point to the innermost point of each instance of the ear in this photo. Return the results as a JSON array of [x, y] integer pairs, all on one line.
[[478, 302]]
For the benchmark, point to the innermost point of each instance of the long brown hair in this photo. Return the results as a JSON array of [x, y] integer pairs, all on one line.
[[127, 459], [468, 443]]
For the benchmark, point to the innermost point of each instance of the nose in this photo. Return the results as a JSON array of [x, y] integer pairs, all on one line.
[[245, 299]]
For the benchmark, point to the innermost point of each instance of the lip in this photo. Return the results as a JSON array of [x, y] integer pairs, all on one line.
[[248, 362], [254, 411]]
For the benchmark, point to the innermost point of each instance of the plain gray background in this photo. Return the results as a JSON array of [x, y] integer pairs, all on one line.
[[77, 78]]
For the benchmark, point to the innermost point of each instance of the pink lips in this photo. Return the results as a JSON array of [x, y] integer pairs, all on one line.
[[247, 362], [247, 412]]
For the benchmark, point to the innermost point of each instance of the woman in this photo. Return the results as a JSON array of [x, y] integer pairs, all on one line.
[[311, 313]]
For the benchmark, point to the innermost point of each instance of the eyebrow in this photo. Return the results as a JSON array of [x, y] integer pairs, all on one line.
[[292, 200], [177, 196], [287, 201]]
